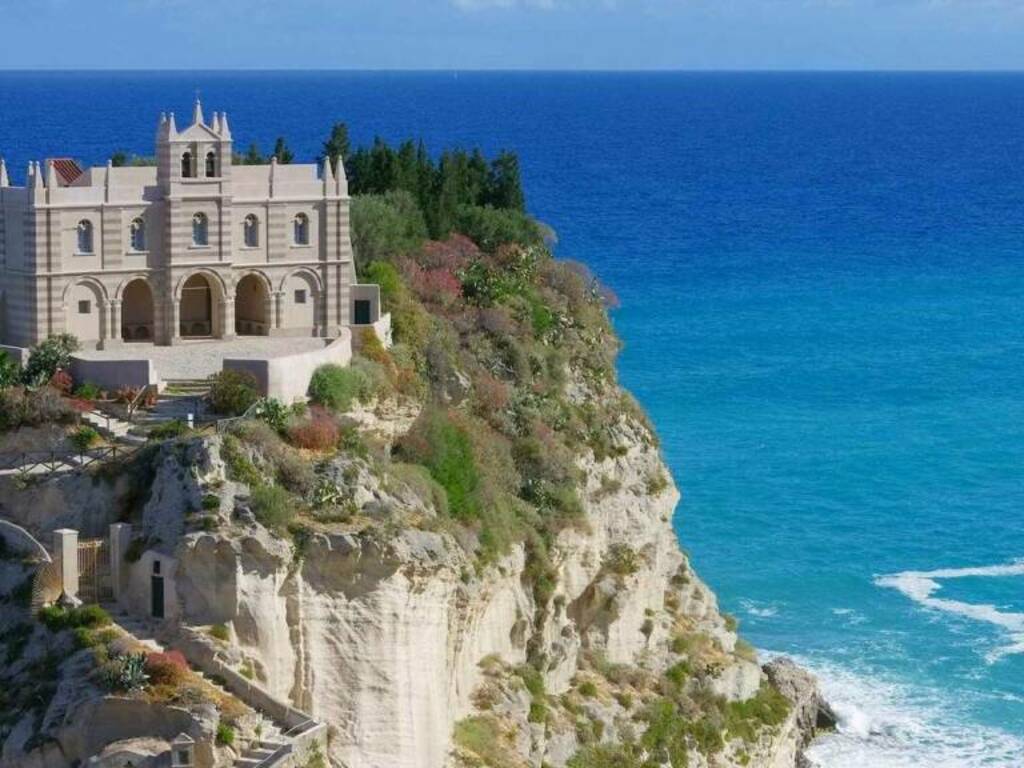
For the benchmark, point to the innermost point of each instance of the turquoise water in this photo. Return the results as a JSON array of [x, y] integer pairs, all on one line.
[[822, 282]]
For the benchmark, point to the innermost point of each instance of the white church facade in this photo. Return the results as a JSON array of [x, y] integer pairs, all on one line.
[[193, 248]]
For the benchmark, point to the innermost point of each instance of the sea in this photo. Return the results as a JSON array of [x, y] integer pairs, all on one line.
[[821, 285]]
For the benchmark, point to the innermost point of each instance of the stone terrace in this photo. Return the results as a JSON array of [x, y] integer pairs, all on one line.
[[200, 359]]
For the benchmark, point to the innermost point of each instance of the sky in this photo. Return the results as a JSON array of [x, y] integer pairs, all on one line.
[[512, 34]]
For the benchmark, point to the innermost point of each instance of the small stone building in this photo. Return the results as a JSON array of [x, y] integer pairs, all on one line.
[[195, 247]]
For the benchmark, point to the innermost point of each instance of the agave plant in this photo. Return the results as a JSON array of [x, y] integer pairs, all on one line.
[[127, 672]]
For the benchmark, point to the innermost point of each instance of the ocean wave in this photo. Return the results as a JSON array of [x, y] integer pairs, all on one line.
[[759, 610], [921, 586], [884, 724]]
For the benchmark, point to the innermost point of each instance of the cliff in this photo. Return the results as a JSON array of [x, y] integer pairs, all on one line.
[[479, 570]]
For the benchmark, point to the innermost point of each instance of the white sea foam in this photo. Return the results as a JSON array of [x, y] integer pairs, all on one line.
[[760, 610], [921, 586], [883, 724]]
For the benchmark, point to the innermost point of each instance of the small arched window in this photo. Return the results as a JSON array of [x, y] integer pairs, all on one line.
[[252, 231], [85, 236], [200, 230], [211, 165], [302, 229], [138, 235], [186, 165]]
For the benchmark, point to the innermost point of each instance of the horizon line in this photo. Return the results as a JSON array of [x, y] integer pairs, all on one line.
[[509, 70]]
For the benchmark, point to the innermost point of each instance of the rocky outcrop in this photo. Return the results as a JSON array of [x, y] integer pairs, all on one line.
[[384, 631]]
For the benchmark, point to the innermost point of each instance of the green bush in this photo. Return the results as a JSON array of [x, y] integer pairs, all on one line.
[[57, 618], [444, 448], [88, 391], [627, 755], [10, 371], [335, 387], [47, 357], [273, 412], [225, 735], [587, 688], [168, 430], [84, 438], [232, 393], [273, 507], [385, 227], [491, 227], [220, 632], [211, 501]]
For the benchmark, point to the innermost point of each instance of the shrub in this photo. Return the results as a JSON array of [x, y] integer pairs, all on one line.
[[220, 632], [317, 433], [484, 737], [385, 226], [273, 507], [225, 734], [126, 672], [57, 618], [622, 560], [440, 445], [84, 438], [88, 391], [587, 688], [335, 387], [211, 501], [232, 393], [10, 371], [169, 668], [62, 382], [491, 227], [47, 357], [273, 412], [168, 430], [19, 407]]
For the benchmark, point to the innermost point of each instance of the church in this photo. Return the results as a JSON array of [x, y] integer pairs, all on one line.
[[194, 247]]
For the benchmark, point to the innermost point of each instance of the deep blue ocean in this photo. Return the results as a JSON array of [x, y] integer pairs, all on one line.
[[822, 288]]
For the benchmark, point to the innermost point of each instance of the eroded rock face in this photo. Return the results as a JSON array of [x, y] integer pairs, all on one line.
[[381, 633]]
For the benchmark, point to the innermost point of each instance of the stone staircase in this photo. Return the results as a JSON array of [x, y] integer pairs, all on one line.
[[110, 426], [180, 398], [265, 752], [272, 747]]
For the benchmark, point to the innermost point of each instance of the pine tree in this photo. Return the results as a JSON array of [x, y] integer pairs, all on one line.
[[505, 187], [282, 153], [337, 145]]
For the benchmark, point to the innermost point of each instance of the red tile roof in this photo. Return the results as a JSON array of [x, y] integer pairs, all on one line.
[[67, 170]]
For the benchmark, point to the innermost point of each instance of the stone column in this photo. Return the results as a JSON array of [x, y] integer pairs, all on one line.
[[276, 312], [175, 329], [65, 548], [120, 538], [113, 339], [227, 318]]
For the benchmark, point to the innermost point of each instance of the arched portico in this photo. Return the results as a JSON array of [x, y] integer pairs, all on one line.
[[203, 308], [253, 315], [137, 311]]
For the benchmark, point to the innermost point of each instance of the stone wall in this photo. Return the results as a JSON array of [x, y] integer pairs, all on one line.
[[287, 378]]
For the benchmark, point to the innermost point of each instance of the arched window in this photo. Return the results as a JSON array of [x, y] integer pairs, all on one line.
[[200, 230], [186, 165], [85, 236], [211, 165], [252, 231], [138, 235], [302, 229]]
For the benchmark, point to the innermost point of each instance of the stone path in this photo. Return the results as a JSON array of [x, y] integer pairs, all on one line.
[[270, 749], [200, 359]]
